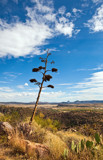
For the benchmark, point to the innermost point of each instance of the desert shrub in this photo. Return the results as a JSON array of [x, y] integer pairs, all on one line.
[[87, 129], [15, 117], [47, 123], [15, 114], [4, 118], [12, 118]]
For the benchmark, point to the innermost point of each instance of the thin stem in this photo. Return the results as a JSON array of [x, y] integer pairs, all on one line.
[[41, 72], [48, 70]]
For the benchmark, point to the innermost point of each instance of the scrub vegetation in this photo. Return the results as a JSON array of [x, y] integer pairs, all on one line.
[[72, 135]]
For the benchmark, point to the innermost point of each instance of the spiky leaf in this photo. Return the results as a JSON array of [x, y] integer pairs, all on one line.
[[40, 67], [33, 80], [54, 70], [76, 149], [89, 144], [73, 146], [65, 155], [35, 69], [82, 144], [51, 86], [97, 138]]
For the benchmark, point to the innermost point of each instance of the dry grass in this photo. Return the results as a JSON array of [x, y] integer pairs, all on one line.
[[55, 144], [6, 153], [17, 142], [68, 137]]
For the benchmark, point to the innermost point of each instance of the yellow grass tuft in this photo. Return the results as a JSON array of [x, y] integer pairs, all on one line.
[[68, 137], [55, 144], [18, 144]]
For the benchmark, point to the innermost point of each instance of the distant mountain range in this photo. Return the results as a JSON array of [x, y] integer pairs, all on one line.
[[83, 102], [58, 103]]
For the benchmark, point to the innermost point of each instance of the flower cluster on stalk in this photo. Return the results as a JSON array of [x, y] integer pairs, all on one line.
[[45, 77]]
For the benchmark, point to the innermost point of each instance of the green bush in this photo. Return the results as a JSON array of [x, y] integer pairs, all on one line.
[[13, 118], [47, 123]]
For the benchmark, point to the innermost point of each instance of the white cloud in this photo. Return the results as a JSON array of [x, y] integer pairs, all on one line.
[[76, 31], [65, 84], [65, 28], [75, 10], [11, 75], [23, 39], [95, 82], [69, 52], [62, 10], [84, 96], [85, 5], [26, 84], [42, 23], [90, 89], [31, 96], [50, 17], [43, 6], [76, 14], [100, 67], [3, 82], [96, 22], [54, 50], [20, 86], [97, 1], [68, 14], [6, 89]]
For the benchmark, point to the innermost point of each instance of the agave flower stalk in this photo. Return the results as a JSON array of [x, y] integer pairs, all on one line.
[[45, 78]]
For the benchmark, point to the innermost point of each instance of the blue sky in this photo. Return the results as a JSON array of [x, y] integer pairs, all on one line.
[[72, 30]]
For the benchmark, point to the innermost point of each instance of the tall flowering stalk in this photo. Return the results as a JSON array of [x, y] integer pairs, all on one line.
[[46, 77]]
